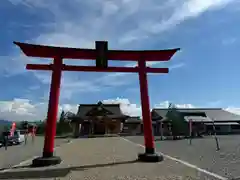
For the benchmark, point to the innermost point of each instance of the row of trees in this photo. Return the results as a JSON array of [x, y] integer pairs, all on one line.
[[63, 124]]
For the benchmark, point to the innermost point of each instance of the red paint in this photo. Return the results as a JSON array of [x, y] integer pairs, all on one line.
[[89, 54], [96, 69], [13, 128], [51, 123], [73, 53], [146, 115]]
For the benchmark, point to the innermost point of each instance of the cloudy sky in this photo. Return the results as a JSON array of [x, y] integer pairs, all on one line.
[[205, 73]]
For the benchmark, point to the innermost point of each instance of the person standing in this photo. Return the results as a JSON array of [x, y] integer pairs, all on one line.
[[25, 136], [33, 133], [5, 138], [26, 131]]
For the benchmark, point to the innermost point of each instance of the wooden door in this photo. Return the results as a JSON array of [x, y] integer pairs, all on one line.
[[99, 128]]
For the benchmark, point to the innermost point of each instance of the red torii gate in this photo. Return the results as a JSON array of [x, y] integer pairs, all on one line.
[[102, 55]]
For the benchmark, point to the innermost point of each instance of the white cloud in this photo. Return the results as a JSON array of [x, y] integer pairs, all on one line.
[[176, 66], [24, 109], [165, 104], [180, 11], [126, 106], [234, 110], [121, 22], [72, 84]]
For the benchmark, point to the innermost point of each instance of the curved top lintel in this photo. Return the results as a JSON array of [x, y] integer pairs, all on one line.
[[44, 51]]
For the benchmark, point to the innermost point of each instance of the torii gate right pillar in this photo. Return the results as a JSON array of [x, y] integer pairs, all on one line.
[[149, 155]]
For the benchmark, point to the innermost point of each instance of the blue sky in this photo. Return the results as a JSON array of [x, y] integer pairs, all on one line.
[[205, 73]]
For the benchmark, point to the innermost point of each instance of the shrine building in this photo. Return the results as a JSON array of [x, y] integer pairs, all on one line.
[[99, 119]]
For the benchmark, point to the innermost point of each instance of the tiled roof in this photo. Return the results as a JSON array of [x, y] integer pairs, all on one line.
[[83, 109], [216, 114]]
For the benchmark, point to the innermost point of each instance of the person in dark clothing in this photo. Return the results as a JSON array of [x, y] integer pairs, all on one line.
[[5, 135]]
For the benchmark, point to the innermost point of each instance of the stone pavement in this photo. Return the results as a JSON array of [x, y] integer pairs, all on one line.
[[18, 153], [103, 159]]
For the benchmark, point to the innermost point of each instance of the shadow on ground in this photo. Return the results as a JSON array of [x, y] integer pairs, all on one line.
[[52, 173]]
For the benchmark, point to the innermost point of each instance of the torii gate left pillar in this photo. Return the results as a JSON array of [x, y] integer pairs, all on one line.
[[101, 54]]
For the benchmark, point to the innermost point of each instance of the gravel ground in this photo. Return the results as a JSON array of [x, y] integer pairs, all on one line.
[[18, 153], [103, 159], [203, 154]]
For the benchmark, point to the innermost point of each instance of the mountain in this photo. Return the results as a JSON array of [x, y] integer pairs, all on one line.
[[4, 122]]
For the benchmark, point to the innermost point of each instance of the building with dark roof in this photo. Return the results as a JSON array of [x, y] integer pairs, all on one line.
[[109, 119], [98, 119], [102, 119], [216, 114], [224, 121], [132, 126]]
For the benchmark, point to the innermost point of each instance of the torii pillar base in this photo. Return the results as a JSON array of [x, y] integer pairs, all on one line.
[[150, 156], [46, 161]]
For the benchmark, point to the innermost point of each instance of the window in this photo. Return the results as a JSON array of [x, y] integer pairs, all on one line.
[[16, 133]]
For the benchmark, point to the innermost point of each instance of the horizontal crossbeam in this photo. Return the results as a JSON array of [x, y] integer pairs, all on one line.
[[95, 69], [91, 54]]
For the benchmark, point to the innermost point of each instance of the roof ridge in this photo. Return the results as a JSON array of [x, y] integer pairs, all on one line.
[[191, 108], [97, 104]]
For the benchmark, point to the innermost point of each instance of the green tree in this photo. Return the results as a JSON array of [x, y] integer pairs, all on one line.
[[40, 128], [63, 125], [24, 125], [62, 117], [178, 124]]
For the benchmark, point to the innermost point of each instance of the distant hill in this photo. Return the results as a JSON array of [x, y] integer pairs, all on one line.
[[4, 122]]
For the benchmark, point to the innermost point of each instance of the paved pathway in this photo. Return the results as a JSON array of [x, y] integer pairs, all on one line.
[[18, 153], [203, 154], [105, 159]]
